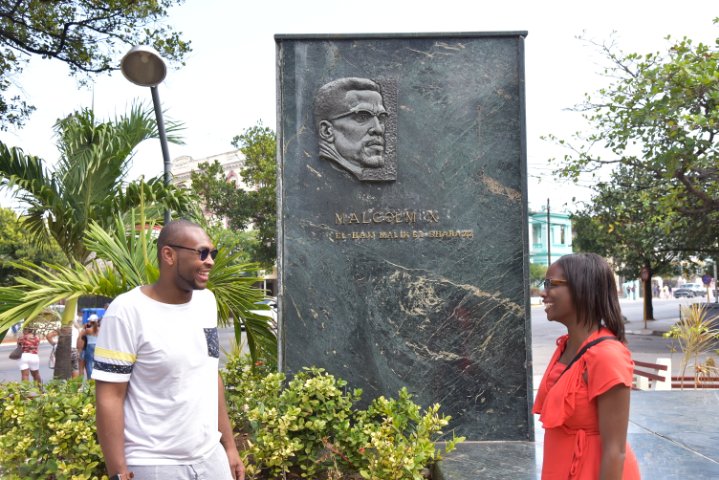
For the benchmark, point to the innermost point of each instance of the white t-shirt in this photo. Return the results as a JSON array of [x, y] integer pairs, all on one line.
[[169, 355]]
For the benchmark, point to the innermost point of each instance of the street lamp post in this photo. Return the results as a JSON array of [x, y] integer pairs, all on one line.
[[144, 66]]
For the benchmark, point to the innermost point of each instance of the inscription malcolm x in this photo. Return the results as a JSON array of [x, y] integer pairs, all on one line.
[[352, 123]]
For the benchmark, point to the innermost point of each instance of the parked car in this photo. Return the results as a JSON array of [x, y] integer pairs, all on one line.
[[681, 292], [690, 290], [267, 308]]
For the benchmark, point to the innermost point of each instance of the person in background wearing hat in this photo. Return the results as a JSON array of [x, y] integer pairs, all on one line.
[[86, 342], [161, 411]]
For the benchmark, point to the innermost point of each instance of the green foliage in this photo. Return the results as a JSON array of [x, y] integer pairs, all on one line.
[[125, 257], [656, 126], [696, 336], [49, 434], [88, 183], [537, 272], [256, 205], [259, 145], [90, 37], [16, 245], [311, 427]]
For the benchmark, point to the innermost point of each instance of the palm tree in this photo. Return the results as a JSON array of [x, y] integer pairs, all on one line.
[[88, 184], [127, 257]]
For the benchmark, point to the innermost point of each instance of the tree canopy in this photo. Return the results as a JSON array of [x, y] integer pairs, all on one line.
[[87, 186], [653, 149], [88, 182], [255, 206], [659, 113], [654, 128], [17, 245], [89, 36]]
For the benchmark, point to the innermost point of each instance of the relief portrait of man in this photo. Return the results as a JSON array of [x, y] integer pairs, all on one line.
[[351, 119]]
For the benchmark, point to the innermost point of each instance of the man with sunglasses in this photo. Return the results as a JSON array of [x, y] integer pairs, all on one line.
[[351, 120], [161, 409]]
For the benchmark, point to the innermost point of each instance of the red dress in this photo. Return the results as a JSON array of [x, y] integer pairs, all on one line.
[[567, 406]]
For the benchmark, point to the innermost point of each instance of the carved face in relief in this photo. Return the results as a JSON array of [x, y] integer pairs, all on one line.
[[358, 133], [351, 124]]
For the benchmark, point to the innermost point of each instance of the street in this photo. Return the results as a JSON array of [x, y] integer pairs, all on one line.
[[544, 333], [643, 347], [9, 371]]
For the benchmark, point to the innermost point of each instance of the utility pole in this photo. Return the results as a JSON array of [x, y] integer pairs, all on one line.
[[549, 237], [716, 291]]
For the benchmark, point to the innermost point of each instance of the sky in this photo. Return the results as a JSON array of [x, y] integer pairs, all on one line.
[[229, 80]]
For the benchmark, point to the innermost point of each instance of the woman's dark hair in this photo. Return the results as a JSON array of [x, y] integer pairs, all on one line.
[[594, 291]]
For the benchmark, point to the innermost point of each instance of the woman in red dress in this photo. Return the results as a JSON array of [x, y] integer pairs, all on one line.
[[583, 400]]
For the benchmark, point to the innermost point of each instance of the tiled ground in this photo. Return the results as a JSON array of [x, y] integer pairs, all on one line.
[[675, 435]]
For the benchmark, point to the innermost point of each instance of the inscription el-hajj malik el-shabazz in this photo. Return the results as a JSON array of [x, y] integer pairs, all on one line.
[[423, 223]]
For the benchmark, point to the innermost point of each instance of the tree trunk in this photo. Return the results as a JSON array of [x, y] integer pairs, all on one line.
[[648, 307], [63, 354], [63, 360]]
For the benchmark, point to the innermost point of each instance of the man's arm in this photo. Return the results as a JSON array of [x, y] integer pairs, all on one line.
[[228, 440], [110, 419]]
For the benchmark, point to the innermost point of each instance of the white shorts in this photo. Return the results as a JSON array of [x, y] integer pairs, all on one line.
[[29, 361]]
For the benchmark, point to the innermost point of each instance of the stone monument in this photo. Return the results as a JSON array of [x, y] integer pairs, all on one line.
[[403, 220]]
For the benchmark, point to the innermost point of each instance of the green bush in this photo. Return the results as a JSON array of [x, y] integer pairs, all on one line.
[[310, 427], [50, 434]]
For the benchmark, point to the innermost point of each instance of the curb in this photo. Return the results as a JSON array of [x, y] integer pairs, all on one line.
[[645, 333]]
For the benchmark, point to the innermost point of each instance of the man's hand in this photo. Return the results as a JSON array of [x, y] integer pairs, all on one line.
[[236, 466]]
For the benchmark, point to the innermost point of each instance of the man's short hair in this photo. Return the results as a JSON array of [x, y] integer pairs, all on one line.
[[170, 234], [330, 96]]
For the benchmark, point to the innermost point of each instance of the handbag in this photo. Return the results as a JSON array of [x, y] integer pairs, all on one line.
[[17, 353]]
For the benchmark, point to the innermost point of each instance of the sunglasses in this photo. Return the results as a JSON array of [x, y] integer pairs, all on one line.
[[202, 252], [363, 116], [553, 282]]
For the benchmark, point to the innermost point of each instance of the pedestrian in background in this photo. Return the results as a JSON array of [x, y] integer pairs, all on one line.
[[583, 399], [86, 345], [52, 339], [29, 362]]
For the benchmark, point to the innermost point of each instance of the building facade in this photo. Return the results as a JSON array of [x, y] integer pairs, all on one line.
[[232, 162], [549, 235]]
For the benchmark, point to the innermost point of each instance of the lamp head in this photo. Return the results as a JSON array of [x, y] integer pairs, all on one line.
[[143, 66]]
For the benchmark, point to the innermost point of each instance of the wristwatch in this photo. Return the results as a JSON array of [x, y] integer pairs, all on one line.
[[119, 476]]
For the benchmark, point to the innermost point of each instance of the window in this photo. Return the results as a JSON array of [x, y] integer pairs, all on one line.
[[536, 233], [562, 234]]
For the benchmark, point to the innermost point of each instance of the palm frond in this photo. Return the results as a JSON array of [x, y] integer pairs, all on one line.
[[233, 286], [53, 284]]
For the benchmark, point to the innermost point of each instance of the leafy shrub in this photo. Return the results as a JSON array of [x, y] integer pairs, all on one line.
[[696, 336], [310, 427], [50, 434]]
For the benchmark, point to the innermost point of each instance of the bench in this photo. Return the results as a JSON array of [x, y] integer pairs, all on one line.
[[689, 382], [657, 378]]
